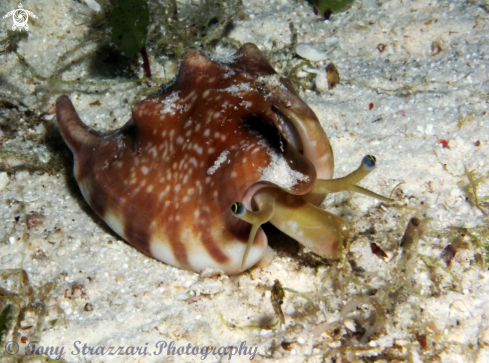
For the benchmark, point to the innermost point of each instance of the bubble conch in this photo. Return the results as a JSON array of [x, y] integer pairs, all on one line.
[[226, 146]]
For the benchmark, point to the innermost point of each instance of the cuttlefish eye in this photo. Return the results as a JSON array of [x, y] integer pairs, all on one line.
[[238, 209], [369, 162]]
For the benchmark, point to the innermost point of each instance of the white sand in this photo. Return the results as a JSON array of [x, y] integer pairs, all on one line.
[[106, 293]]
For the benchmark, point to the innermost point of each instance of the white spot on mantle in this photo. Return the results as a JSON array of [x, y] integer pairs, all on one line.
[[221, 159]]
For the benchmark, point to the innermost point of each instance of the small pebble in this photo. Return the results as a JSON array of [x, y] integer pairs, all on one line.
[[321, 81], [332, 75], [210, 273], [51, 110], [34, 243], [92, 4], [301, 73], [56, 236], [181, 296], [22, 175], [61, 252], [4, 180], [40, 129], [350, 325], [459, 140], [485, 336], [35, 219], [331, 41]]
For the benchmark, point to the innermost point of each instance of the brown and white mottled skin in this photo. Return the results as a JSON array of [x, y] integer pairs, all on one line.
[[166, 180]]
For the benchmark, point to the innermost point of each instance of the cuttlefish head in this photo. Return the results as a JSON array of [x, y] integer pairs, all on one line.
[[225, 147]]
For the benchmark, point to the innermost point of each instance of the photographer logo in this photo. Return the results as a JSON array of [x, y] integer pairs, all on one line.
[[20, 17]]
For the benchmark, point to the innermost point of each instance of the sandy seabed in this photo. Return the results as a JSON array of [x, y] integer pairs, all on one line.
[[414, 92]]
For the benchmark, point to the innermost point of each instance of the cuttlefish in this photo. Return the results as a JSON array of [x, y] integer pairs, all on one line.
[[226, 146]]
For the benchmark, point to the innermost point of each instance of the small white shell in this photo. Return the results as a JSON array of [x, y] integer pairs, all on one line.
[[92, 4], [307, 51], [350, 325], [331, 41]]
